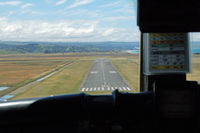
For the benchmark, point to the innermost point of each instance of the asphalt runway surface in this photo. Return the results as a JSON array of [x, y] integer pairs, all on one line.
[[103, 76]]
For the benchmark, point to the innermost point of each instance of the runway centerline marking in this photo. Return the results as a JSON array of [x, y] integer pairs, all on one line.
[[104, 78]]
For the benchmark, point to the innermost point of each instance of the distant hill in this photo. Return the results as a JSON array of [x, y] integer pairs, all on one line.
[[64, 47], [9, 47]]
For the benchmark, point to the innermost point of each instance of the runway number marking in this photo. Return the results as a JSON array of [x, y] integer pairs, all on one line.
[[93, 72], [111, 72]]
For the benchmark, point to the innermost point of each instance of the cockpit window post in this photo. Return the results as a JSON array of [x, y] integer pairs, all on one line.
[[164, 40]]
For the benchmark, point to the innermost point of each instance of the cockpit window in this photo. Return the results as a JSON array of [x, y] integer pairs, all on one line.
[[54, 47], [195, 57]]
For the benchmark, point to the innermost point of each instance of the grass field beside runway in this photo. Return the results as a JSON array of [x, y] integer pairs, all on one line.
[[70, 79], [129, 70], [195, 69], [19, 70], [67, 81], [13, 72]]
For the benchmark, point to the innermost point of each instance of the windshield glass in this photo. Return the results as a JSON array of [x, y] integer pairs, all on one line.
[[53, 47], [195, 57]]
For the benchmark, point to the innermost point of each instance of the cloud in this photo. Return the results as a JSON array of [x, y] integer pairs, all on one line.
[[60, 2], [10, 13], [80, 13], [65, 30], [195, 36], [10, 3], [121, 18], [26, 5], [2, 19], [80, 3], [111, 4], [108, 32]]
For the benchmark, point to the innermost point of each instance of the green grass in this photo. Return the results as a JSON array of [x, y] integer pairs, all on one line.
[[29, 80], [3, 52], [195, 71], [67, 81], [70, 79]]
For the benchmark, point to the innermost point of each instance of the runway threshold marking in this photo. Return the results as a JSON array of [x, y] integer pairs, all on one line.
[[128, 89], [124, 88], [107, 89]]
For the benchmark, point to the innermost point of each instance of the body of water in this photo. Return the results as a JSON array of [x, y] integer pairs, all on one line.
[[194, 51], [6, 97], [197, 50], [2, 88], [133, 51]]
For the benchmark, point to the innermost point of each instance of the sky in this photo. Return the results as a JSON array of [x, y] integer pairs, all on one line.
[[68, 20]]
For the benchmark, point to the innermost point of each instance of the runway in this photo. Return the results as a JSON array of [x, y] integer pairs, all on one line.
[[103, 76]]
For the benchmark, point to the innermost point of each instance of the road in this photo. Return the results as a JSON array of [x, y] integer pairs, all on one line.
[[103, 76]]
